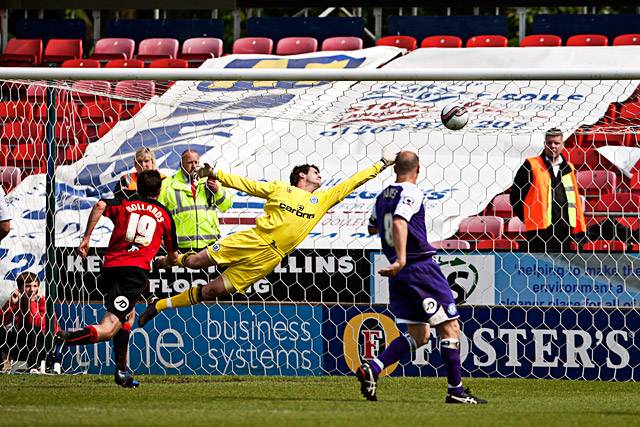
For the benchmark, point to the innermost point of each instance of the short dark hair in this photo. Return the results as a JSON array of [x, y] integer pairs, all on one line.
[[553, 132], [294, 178], [26, 277], [406, 161], [149, 183]]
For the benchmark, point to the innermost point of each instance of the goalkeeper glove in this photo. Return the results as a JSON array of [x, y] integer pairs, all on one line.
[[207, 171], [388, 158], [183, 257]]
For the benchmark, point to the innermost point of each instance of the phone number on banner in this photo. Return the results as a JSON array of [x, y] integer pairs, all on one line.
[[366, 129]]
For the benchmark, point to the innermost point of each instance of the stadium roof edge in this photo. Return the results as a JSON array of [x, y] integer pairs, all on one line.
[[232, 4]]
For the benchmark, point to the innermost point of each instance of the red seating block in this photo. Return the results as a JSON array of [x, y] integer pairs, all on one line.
[[515, 229], [629, 114], [405, 42], [125, 63], [105, 128], [605, 246], [588, 40], [113, 48], [488, 40], [12, 111], [342, 43], [169, 63], [253, 45], [498, 244], [157, 48], [59, 50], [199, 49], [22, 53], [14, 133], [451, 244], [75, 152], [84, 91], [81, 63], [596, 182], [481, 228], [541, 40], [441, 41], [627, 40], [296, 45], [501, 206]]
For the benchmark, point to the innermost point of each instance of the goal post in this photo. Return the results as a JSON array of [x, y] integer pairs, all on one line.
[[324, 309]]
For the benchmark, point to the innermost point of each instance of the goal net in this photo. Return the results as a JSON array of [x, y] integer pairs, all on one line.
[[324, 309]]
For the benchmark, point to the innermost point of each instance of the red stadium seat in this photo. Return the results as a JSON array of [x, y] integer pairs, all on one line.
[[253, 45], [10, 177], [13, 111], [596, 182], [75, 152], [106, 127], [515, 229], [586, 158], [488, 40], [626, 205], [84, 91], [66, 111], [588, 40], [541, 40], [629, 114], [497, 245], [441, 41], [627, 40], [157, 48], [605, 246], [199, 49], [113, 48], [125, 63], [22, 53], [169, 63], [342, 43], [135, 91], [59, 50], [14, 133], [29, 156], [95, 114], [405, 42], [501, 206], [481, 228], [296, 45], [452, 244], [81, 63], [70, 132]]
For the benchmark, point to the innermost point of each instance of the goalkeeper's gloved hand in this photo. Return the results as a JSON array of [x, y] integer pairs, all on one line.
[[183, 257], [388, 158], [207, 171]]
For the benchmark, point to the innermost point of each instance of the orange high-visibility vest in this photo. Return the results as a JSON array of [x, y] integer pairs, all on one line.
[[537, 203], [131, 181]]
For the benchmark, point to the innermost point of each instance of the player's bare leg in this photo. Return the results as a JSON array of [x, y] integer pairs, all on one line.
[[107, 328], [192, 296], [449, 333]]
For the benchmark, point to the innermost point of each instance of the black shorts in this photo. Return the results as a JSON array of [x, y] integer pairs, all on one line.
[[124, 284]]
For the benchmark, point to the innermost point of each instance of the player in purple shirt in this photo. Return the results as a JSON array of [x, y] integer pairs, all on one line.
[[419, 294]]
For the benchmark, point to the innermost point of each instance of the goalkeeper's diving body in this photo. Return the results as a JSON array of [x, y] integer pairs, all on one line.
[[291, 212]]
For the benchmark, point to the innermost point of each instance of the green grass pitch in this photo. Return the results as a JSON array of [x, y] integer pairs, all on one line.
[[29, 400]]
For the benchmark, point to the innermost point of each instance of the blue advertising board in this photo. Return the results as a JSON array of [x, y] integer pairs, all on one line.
[[524, 342], [217, 339]]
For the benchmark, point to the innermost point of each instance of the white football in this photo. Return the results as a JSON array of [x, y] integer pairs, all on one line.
[[454, 117]]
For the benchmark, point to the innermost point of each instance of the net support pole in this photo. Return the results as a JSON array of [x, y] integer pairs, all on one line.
[[50, 241]]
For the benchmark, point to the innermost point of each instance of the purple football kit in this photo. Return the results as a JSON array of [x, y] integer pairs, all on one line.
[[419, 293]]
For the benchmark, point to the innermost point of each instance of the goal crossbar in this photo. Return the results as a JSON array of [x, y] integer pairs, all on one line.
[[380, 74]]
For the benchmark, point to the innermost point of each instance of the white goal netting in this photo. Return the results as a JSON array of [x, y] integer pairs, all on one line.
[[323, 310]]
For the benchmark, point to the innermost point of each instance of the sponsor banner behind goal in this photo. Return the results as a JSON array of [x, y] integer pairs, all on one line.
[[217, 339], [533, 342]]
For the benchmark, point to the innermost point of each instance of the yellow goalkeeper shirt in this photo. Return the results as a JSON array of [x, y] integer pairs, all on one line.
[[290, 213]]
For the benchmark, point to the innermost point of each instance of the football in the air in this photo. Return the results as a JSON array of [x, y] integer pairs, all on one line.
[[454, 117]]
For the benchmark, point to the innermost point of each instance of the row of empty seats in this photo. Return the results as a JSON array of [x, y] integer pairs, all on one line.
[[29, 52], [495, 40]]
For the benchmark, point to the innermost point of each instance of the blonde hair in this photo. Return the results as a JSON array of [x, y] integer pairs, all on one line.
[[143, 152]]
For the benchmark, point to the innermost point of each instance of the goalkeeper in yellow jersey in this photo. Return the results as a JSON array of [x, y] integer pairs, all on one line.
[[291, 212]]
